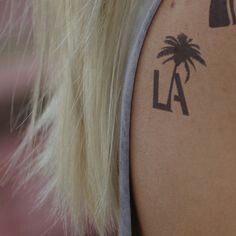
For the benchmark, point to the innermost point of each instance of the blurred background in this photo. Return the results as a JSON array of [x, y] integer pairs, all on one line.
[[17, 70]]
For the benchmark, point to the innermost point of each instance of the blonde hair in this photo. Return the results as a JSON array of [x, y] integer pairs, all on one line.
[[81, 48]]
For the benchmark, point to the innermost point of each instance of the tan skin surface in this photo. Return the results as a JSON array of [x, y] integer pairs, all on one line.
[[183, 168]]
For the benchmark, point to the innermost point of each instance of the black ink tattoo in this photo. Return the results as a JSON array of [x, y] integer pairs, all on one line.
[[232, 9], [182, 51], [222, 13], [178, 98]]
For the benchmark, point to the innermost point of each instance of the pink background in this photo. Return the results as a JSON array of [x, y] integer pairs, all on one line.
[[16, 77]]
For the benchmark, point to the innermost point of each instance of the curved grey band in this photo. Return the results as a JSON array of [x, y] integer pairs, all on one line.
[[127, 93]]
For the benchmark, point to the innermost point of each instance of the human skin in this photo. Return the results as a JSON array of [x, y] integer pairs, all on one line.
[[183, 167]]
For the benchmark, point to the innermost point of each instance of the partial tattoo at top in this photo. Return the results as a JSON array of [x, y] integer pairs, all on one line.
[[182, 51], [222, 13]]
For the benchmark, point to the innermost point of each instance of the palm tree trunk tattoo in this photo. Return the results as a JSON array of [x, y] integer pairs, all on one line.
[[171, 86]]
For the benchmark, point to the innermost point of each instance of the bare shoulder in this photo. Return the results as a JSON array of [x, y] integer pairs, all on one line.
[[183, 129]]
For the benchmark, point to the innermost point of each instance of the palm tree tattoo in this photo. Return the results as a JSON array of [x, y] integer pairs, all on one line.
[[182, 51]]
